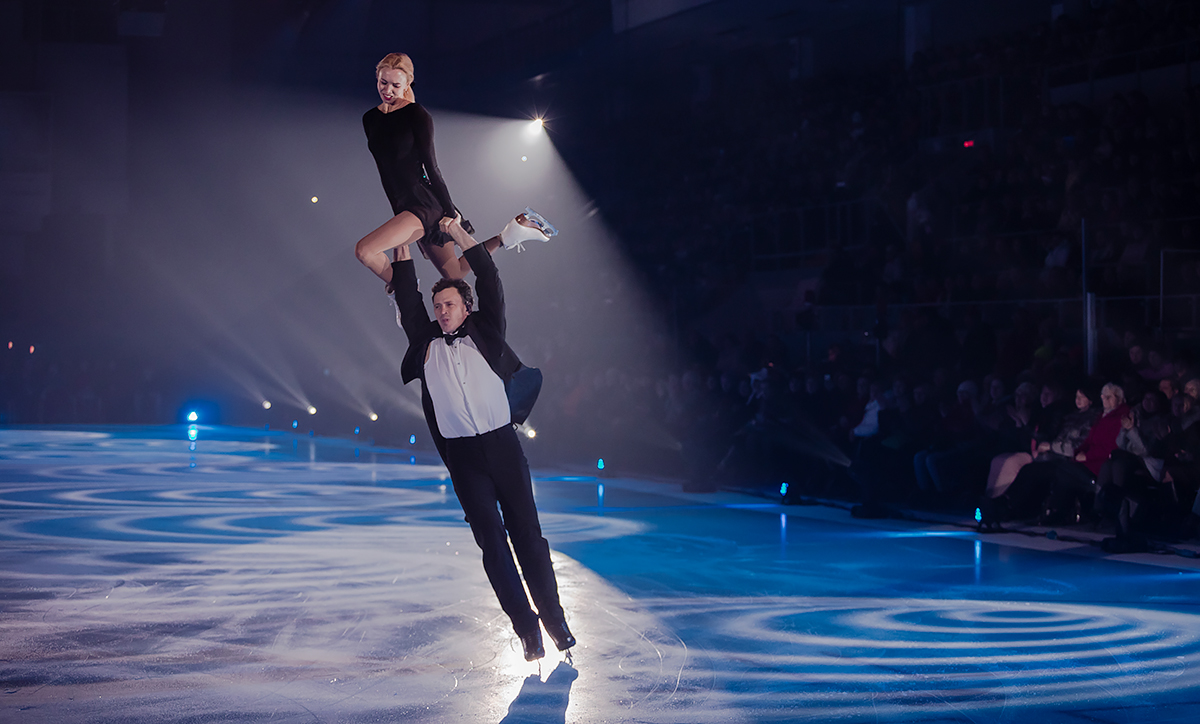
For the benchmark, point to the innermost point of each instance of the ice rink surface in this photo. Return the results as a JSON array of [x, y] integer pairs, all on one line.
[[280, 578]]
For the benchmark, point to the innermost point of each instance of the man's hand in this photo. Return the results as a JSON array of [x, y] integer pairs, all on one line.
[[1080, 457], [451, 226]]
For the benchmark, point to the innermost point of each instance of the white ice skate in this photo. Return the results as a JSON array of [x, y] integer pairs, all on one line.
[[529, 226]]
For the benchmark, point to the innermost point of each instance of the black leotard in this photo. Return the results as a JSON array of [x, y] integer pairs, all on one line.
[[402, 144]]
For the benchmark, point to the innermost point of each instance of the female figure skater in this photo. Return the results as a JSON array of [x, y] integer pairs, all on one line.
[[400, 137]]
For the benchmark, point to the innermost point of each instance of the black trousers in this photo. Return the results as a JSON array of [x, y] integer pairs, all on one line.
[[490, 470]]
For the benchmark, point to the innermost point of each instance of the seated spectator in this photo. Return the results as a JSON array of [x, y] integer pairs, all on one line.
[[1022, 480], [1073, 488], [1129, 486]]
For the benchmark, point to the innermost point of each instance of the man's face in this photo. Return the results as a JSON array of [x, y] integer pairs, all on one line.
[[1192, 388], [449, 309]]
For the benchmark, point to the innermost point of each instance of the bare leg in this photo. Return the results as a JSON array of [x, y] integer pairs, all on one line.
[[402, 229]]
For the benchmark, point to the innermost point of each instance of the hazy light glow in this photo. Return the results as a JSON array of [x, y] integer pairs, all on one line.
[[266, 404], [312, 410], [373, 417], [192, 416], [298, 303]]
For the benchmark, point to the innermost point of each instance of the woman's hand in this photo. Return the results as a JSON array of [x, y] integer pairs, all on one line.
[[1127, 421], [1080, 457]]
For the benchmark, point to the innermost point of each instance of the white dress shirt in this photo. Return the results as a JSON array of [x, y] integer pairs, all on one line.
[[468, 397]]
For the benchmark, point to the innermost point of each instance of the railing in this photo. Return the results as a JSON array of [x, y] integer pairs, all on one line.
[[955, 107], [1182, 311], [1135, 63], [793, 234]]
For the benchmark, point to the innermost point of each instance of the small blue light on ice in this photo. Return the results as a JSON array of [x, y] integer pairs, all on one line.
[[192, 416], [412, 439], [783, 488], [295, 424], [600, 464], [978, 515], [355, 430], [412, 460], [193, 432]]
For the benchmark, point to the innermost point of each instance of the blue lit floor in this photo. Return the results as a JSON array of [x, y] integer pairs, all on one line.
[[284, 579]]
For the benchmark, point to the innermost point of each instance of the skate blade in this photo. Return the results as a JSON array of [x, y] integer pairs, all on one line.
[[540, 221]]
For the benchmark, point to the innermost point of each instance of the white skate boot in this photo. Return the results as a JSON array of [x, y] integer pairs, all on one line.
[[529, 226]]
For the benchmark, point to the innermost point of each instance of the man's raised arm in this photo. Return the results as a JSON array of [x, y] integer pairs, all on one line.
[[488, 289], [413, 315]]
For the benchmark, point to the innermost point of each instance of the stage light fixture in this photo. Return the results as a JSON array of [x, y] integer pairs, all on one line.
[[412, 439], [524, 158], [266, 404], [192, 416], [373, 417], [314, 199], [312, 410], [356, 430], [537, 123], [295, 424], [31, 349], [531, 433], [783, 488], [600, 464]]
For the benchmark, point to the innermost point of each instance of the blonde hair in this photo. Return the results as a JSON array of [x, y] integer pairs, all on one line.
[[402, 63]]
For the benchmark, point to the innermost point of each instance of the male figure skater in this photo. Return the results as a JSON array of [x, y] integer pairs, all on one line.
[[463, 363]]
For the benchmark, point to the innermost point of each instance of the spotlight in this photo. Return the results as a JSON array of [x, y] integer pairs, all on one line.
[[524, 158], [192, 416], [531, 433], [314, 199], [31, 349], [312, 410], [373, 417], [266, 404], [537, 123]]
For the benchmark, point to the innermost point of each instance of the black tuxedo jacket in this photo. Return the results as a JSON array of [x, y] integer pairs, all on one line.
[[485, 326]]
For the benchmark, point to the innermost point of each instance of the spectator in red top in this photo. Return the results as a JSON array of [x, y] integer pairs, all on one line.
[[1074, 488], [1102, 439]]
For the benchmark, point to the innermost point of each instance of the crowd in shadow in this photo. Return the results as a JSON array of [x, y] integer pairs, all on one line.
[[931, 424]]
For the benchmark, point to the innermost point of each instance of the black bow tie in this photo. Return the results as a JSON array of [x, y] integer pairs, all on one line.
[[456, 334]]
